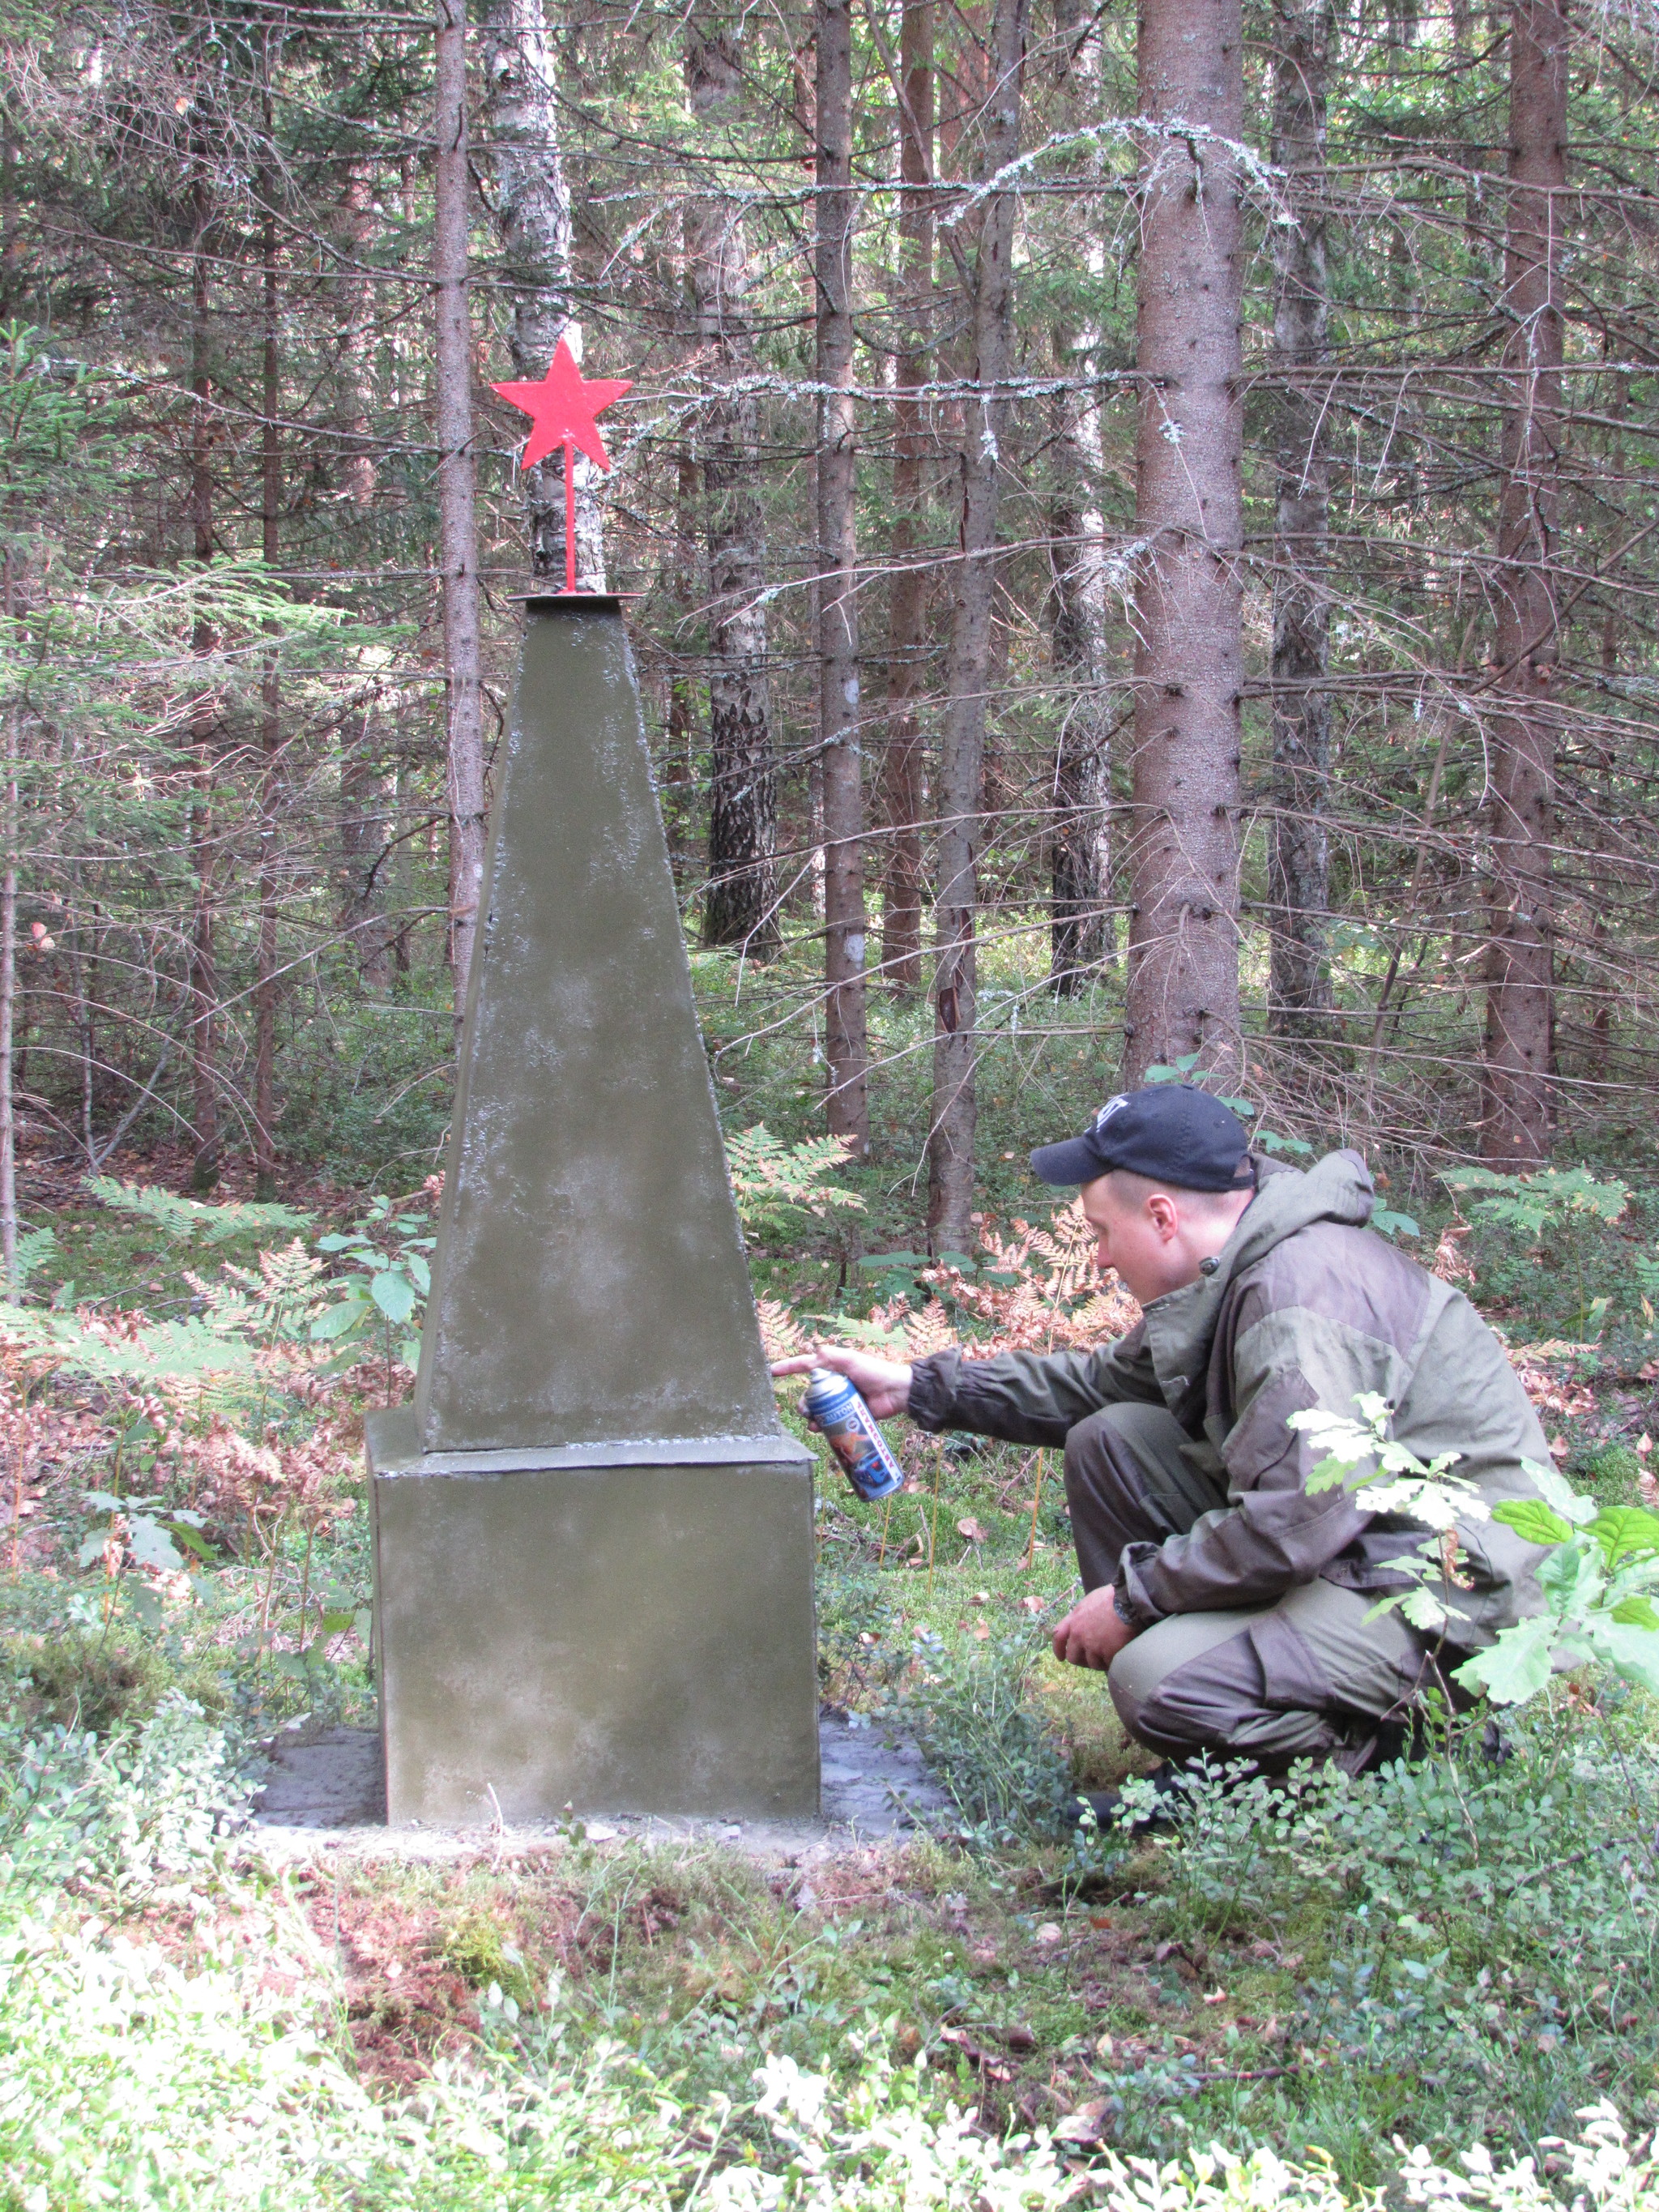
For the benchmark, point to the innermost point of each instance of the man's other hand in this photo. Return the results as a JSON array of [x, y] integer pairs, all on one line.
[[1091, 1635], [884, 1384]]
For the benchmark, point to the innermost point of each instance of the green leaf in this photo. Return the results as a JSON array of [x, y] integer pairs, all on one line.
[[1517, 1666], [1637, 1613], [1553, 1486], [410, 1352], [1626, 1532], [334, 1623], [151, 1546], [339, 1320], [394, 1294], [1392, 1224], [1532, 1521], [1634, 1652], [879, 1261]]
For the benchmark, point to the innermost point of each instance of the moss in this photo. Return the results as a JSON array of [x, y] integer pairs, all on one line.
[[88, 1680]]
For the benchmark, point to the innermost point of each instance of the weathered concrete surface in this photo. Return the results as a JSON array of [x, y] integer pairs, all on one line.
[[594, 1541], [589, 1282], [325, 1793], [634, 1639]]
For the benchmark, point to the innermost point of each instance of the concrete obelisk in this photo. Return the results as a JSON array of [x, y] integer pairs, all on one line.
[[592, 1538]]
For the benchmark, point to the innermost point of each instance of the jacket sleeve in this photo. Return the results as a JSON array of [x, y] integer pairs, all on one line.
[[1274, 1534], [1030, 1397]]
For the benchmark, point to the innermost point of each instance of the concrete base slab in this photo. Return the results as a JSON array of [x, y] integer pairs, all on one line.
[[325, 1792]]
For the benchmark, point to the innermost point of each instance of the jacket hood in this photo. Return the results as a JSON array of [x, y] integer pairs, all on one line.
[[1180, 1326], [1338, 1188]]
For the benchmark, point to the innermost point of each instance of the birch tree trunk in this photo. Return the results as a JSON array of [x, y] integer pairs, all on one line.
[[968, 661], [532, 215], [846, 1046], [1081, 932], [1182, 994], [906, 620], [740, 903], [1517, 1121], [458, 534], [1299, 895]]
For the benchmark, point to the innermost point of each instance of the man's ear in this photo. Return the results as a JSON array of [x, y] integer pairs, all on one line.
[[1164, 1213]]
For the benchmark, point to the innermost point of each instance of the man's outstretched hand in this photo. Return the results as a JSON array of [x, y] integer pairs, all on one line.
[[1091, 1635], [884, 1384]]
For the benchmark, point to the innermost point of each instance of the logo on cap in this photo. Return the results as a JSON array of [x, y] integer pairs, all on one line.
[[1110, 1108]]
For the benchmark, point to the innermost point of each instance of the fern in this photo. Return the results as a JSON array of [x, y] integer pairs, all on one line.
[[35, 1247], [774, 1183], [184, 1218], [107, 1352]]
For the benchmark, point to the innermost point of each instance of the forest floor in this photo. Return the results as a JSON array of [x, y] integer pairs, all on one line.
[[1455, 1951]]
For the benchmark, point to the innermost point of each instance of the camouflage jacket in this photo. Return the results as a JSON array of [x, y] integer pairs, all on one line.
[[1308, 1307]]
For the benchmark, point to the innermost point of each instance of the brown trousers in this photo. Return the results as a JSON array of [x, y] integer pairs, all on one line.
[[1307, 1678]]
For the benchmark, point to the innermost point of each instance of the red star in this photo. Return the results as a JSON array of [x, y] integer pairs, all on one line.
[[564, 405]]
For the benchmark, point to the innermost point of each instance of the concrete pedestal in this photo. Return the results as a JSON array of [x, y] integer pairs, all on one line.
[[592, 1540], [621, 1634]]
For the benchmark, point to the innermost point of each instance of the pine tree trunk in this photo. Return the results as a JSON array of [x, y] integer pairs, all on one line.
[[740, 902], [968, 663], [1518, 1123], [532, 213], [1298, 896], [906, 620], [846, 1046], [1183, 941], [458, 534], [203, 979]]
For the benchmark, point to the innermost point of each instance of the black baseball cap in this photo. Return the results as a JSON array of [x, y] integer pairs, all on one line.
[[1173, 1132]]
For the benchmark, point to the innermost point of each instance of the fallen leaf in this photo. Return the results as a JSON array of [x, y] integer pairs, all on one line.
[[971, 1529], [1216, 1996], [1020, 2038], [1086, 2125], [1049, 1934]]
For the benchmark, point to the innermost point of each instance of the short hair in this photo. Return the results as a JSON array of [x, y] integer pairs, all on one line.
[[1138, 1188]]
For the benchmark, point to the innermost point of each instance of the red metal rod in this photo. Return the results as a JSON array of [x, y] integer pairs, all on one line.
[[569, 516]]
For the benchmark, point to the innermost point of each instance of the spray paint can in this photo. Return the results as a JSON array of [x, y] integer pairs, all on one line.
[[833, 1407]]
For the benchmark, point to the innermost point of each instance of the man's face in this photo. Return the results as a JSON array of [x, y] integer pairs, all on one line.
[[1141, 1238]]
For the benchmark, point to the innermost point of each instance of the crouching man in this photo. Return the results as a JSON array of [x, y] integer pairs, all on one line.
[[1226, 1604]]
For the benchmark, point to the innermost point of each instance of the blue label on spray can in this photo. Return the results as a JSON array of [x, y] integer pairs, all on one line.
[[833, 1407]]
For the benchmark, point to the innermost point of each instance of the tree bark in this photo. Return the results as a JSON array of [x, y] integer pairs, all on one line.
[[846, 1044], [271, 720], [740, 902], [533, 220], [458, 534], [1081, 932], [1182, 994], [203, 979], [968, 661], [9, 828], [1299, 895], [1516, 1129], [906, 622]]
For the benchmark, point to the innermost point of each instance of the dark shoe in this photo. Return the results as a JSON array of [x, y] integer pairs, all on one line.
[[1107, 1805]]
